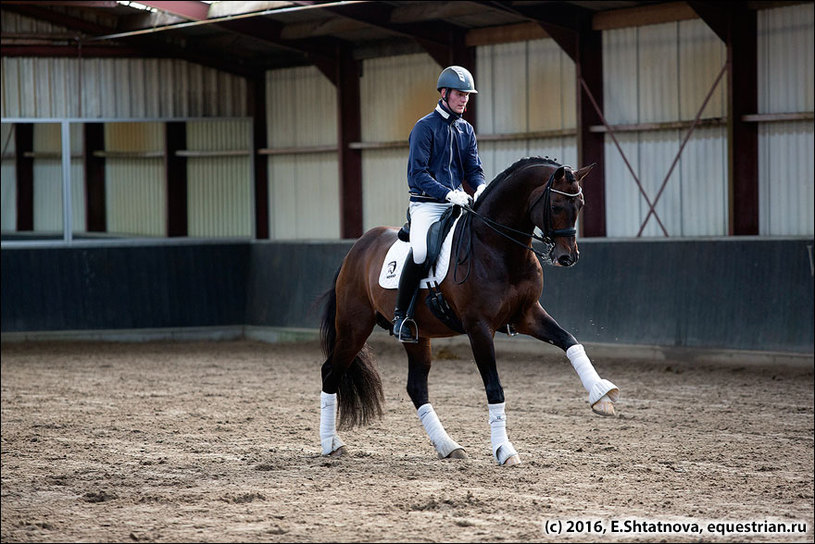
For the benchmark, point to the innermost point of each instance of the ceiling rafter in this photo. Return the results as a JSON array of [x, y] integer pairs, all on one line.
[[58, 18], [561, 20], [191, 10], [435, 37], [149, 45], [715, 17], [323, 52]]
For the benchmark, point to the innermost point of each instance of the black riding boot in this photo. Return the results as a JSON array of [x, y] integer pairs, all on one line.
[[403, 313]]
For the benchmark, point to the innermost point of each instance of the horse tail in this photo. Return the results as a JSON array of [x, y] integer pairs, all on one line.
[[359, 391]]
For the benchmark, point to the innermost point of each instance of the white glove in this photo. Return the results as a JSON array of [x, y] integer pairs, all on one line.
[[459, 198], [479, 191]]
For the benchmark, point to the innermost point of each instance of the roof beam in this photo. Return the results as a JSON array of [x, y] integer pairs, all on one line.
[[194, 11], [562, 21], [714, 16], [69, 50], [322, 52], [437, 38], [58, 18]]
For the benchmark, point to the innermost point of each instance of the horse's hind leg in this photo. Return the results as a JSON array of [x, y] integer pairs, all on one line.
[[419, 362], [350, 382]]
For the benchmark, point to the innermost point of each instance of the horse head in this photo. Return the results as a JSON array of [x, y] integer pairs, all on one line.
[[554, 208]]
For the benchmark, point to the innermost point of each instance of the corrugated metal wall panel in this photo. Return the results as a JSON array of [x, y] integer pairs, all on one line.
[[219, 197], [662, 73], [544, 92], [304, 197], [408, 81], [283, 197], [523, 87], [135, 190], [219, 189], [620, 77], [701, 58], [304, 200], [657, 151], [123, 88], [395, 92], [704, 203], [786, 82], [318, 198], [48, 210], [509, 92], [384, 186], [485, 113], [786, 174], [658, 73], [302, 108], [8, 180], [136, 197], [785, 59], [622, 194]]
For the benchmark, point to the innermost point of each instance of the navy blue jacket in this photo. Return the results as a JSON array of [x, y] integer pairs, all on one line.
[[443, 153]]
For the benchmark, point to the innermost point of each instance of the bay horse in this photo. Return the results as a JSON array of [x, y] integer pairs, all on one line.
[[500, 291]]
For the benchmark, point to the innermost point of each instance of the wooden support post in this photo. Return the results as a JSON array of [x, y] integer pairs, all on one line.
[[349, 130], [742, 137], [591, 145], [257, 109], [175, 169], [735, 25], [96, 213], [24, 166]]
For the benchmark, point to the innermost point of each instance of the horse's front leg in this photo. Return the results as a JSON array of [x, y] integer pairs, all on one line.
[[419, 362], [539, 324], [481, 341]]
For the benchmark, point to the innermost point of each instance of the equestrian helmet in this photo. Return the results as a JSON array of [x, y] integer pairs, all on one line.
[[458, 78]]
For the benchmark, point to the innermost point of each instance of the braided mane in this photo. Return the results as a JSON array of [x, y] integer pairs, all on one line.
[[522, 163]]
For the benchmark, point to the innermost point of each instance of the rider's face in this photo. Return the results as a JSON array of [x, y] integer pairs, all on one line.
[[457, 100]]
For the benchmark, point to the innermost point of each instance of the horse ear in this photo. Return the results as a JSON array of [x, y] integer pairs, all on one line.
[[583, 172], [559, 172]]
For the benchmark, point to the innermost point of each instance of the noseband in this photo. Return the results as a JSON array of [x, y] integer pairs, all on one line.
[[549, 234]]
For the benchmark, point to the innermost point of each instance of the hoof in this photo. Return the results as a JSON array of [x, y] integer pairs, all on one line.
[[339, 452], [457, 454], [604, 407], [513, 460]]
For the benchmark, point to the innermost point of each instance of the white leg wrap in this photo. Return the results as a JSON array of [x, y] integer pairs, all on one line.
[[438, 436], [328, 423], [502, 448], [596, 386]]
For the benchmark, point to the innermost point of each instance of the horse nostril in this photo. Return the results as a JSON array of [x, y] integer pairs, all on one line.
[[565, 260]]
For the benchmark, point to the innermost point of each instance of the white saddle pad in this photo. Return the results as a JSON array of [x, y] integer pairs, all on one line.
[[395, 260]]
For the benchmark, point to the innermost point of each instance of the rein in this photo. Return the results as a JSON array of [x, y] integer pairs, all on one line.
[[549, 234]]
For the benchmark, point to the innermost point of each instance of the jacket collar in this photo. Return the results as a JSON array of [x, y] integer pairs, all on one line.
[[446, 114]]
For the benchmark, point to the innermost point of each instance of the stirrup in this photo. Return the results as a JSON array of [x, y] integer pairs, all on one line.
[[410, 339]]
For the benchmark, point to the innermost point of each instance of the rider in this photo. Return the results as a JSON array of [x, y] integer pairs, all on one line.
[[443, 153]]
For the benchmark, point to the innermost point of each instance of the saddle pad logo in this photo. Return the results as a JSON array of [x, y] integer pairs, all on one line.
[[391, 270], [392, 264]]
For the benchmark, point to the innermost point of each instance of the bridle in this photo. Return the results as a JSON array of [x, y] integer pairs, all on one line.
[[549, 233]]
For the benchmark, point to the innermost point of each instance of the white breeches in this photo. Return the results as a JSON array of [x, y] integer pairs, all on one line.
[[422, 215]]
